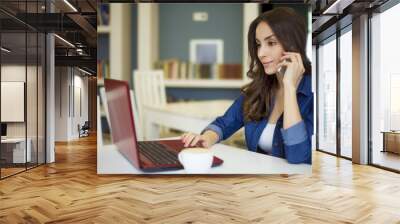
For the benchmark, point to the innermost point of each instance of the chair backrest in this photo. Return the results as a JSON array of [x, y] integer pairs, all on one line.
[[138, 128], [99, 128], [86, 125], [149, 89], [103, 97]]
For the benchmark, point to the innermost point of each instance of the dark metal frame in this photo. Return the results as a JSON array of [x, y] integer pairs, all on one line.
[[341, 33], [338, 153], [338, 100], [44, 79], [25, 89], [316, 97], [369, 104]]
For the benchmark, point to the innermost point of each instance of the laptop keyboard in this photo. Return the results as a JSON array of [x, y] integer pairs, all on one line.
[[158, 153]]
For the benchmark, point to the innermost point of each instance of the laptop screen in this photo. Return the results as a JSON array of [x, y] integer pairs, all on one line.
[[121, 119]]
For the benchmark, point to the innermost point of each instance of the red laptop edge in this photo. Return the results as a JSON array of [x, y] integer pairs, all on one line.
[[123, 130]]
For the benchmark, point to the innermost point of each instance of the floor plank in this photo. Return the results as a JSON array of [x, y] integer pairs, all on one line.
[[70, 191]]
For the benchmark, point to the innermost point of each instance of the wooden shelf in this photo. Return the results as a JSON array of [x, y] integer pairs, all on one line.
[[103, 29], [223, 84]]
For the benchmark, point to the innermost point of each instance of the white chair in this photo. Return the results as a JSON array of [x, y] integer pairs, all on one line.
[[150, 90], [99, 129], [103, 97], [136, 118], [102, 110]]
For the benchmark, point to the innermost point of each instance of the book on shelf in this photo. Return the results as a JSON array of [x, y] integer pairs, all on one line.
[[103, 15], [103, 69], [176, 69], [172, 68], [230, 71]]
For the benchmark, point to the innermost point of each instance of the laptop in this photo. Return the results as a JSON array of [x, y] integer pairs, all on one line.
[[149, 156]]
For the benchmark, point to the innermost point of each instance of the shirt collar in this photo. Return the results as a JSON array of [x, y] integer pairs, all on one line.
[[303, 88], [305, 85]]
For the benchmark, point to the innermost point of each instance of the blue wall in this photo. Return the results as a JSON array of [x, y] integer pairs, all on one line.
[[225, 21], [176, 28]]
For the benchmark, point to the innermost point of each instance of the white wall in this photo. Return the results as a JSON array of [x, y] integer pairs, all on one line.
[[61, 103], [12, 101], [69, 85], [13, 73], [16, 73], [79, 117]]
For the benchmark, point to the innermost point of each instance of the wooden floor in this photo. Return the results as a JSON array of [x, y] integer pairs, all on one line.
[[10, 171], [70, 191]]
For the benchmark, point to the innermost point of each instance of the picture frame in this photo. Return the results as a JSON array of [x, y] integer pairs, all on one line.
[[206, 51]]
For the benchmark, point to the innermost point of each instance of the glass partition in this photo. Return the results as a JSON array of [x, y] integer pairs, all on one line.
[[327, 96], [346, 93], [22, 88], [385, 89], [13, 105]]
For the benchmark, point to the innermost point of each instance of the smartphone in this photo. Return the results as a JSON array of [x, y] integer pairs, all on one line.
[[282, 69]]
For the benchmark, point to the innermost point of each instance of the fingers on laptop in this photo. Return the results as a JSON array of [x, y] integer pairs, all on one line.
[[195, 140], [185, 137], [191, 140], [188, 139]]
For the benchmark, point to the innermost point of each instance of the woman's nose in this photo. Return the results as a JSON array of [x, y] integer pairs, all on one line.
[[261, 53]]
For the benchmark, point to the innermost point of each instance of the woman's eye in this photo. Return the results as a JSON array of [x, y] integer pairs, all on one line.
[[257, 45], [271, 43]]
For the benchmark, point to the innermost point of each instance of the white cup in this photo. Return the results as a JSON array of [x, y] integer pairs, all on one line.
[[196, 160]]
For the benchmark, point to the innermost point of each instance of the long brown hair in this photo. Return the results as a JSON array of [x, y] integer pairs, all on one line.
[[291, 31]]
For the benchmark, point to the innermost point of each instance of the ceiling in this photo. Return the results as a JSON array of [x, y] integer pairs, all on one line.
[[75, 23], [330, 15], [79, 27]]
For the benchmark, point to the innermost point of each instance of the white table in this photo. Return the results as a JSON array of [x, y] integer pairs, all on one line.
[[236, 161], [184, 116], [19, 149]]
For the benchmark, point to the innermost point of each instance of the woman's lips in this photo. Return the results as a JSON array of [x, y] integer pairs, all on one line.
[[267, 64]]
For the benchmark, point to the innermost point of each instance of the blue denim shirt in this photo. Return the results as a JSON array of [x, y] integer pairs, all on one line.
[[293, 143]]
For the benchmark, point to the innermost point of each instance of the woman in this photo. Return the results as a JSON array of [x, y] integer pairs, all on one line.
[[276, 108]]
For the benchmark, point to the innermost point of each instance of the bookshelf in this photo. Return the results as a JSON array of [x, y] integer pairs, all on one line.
[[148, 33], [116, 64], [203, 83], [118, 32], [117, 27]]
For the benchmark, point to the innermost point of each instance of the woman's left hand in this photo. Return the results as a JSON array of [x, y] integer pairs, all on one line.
[[295, 68]]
